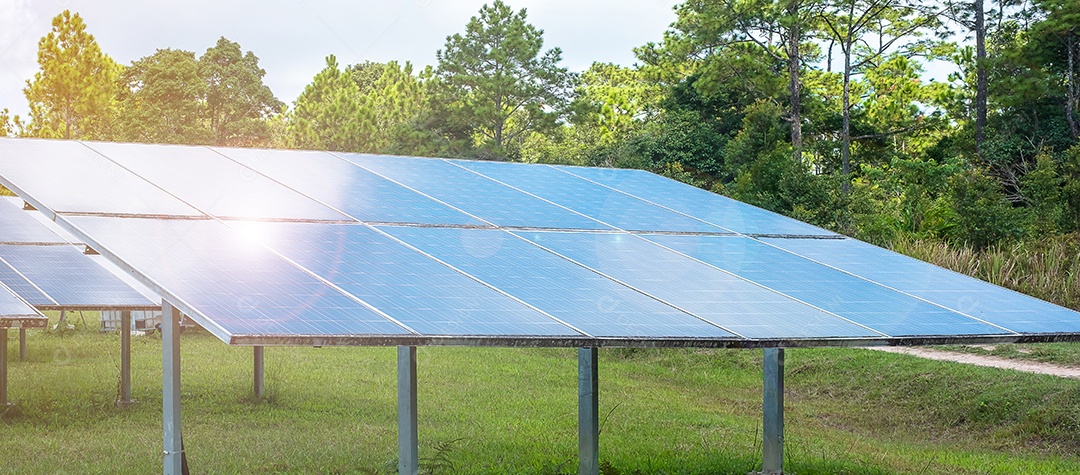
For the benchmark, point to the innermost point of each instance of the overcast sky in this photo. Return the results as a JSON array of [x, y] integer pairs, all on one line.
[[292, 37]]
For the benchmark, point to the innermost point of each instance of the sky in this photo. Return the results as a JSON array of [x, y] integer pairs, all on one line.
[[292, 38]]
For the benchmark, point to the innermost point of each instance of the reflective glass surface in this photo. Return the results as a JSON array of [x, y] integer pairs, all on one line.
[[70, 278], [598, 202], [429, 297], [848, 296], [717, 296], [18, 284], [979, 299], [594, 304], [214, 184], [486, 199], [12, 307], [70, 177], [347, 187], [240, 287], [17, 225], [716, 209]]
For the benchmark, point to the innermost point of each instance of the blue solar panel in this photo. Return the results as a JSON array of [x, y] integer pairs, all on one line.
[[486, 199], [982, 300], [858, 300], [726, 300], [24, 288], [69, 278], [598, 202], [72, 178], [214, 184], [347, 187], [716, 209], [11, 308], [238, 286], [584, 299], [17, 225], [416, 290]]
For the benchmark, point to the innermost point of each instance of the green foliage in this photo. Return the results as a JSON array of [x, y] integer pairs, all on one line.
[[72, 95], [237, 101], [496, 80], [981, 214], [161, 100], [331, 114]]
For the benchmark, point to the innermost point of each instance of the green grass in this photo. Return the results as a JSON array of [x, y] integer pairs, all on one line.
[[502, 410]]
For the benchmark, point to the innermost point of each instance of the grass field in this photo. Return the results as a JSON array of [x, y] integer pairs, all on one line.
[[502, 410]]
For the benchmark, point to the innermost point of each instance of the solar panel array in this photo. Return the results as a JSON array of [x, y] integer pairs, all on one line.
[[51, 273], [319, 248], [16, 313]]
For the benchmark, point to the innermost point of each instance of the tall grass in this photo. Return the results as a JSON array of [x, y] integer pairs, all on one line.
[[1047, 268]]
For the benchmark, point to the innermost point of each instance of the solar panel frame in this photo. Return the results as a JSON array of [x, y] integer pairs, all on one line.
[[68, 280], [17, 313]]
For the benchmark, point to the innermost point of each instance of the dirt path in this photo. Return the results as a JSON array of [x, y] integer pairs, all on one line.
[[981, 360]]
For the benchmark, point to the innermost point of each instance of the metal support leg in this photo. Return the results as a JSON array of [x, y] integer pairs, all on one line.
[[773, 443], [3, 367], [125, 360], [170, 363], [588, 413], [408, 440], [22, 344], [260, 373]]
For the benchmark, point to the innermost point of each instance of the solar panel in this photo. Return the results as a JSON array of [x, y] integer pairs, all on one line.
[[18, 226], [859, 300], [982, 300], [427, 296], [72, 178], [584, 299], [23, 287], [14, 311], [67, 279], [214, 184], [598, 202], [481, 197], [713, 208], [347, 187], [229, 283], [719, 297]]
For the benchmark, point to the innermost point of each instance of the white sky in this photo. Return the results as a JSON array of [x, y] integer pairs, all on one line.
[[292, 37]]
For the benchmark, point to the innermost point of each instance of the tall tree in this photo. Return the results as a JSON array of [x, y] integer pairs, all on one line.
[[331, 114], [498, 78], [72, 96], [866, 32], [161, 100], [237, 101], [1061, 27]]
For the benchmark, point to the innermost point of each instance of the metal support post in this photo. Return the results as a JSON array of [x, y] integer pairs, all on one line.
[[3, 367], [588, 412], [773, 443], [22, 344], [125, 360], [170, 363], [260, 372], [408, 440]]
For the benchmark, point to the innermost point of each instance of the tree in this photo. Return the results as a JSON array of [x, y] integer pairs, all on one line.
[[498, 79], [1062, 27], [72, 96], [614, 99], [161, 100], [10, 126], [237, 101], [331, 114]]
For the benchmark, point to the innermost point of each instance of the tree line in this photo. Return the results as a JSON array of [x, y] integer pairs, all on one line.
[[817, 109]]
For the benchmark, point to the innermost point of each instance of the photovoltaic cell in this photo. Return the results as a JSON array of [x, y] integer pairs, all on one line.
[[17, 225], [414, 289], [584, 299], [69, 278], [598, 202], [214, 184], [347, 187], [974, 297], [717, 296], [11, 308], [711, 207], [486, 199], [858, 300], [22, 287], [72, 178], [239, 287]]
